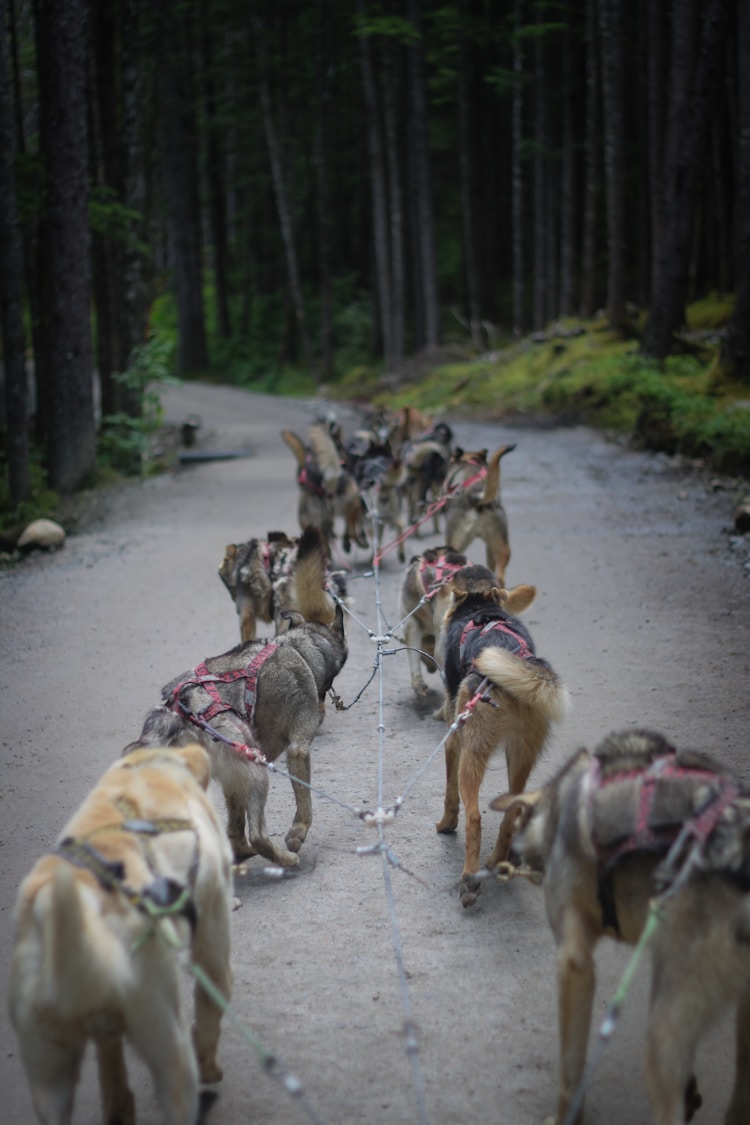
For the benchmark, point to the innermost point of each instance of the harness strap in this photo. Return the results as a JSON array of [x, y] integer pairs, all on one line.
[[520, 648], [443, 572], [304, 481]]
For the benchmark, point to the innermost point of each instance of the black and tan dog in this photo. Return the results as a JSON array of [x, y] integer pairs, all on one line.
[[611, 830], [269, 577], [422, 597], [426, 460], [262, 697], [87, 963], [513, 696], [474, 510]]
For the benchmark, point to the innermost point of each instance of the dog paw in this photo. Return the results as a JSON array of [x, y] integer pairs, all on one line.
[[210, 1071], [469, 890], [447, 824], [241, 848], [295, 838], [420, 689]]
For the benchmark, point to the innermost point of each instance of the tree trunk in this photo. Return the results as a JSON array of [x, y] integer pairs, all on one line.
[[654, 72], [379, 197], [323, 200], [517, 174], [216, 180], [468, 228], [395, 195], [282, 203], [179, 139], [589, 297], [567, 186], [686, 149], [11, 296], [426, 226], [541, 218], [66, 242], [611, 24], [736, 350]]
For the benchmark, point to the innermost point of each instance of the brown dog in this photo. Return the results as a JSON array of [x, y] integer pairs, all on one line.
[[269, 577], [326, 489], [512, 696], [91, 961], [474, 511], [427, 576], [599, 833]]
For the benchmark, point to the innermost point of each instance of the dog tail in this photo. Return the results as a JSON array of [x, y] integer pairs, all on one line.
[[80, 960], [310, 595], [296, 445], [492, 480], [326, 454], [532, 682]]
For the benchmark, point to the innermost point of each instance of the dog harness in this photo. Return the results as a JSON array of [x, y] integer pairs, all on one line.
[[201, 677], [163, 895], [474, 632], [305, 478], [435, 574], [663, 820]]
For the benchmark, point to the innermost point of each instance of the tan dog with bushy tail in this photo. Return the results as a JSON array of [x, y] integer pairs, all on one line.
[[90, 961], [475, 511]]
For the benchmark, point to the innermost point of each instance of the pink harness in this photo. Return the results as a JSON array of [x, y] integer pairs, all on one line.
[[442, 572], [520, 648], [201, 677]]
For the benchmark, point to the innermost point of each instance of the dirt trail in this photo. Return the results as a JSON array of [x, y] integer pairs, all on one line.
[[643, 607]]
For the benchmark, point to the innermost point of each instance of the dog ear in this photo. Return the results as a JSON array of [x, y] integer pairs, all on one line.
[[296, 445], [520, 598], [230, 552], [518, 808]]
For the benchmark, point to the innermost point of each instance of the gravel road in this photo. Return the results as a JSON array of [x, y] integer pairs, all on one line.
[[643, 606]]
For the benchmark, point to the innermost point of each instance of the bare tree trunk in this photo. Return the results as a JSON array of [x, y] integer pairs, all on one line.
[[215, 174], [425, 218], [182, 192], [468, 228], [591, 165], [686, 149], [736, 350], [567, 186], [323, 202], [379, 198], [282, 203], [654, 71], [66, 242], [517, 174], [398, 272], [611, 23], [11, 296], [540, 197]]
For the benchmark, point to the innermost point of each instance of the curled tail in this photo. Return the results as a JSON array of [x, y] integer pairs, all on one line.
[[532, 682], [492, 480], [310, 569]]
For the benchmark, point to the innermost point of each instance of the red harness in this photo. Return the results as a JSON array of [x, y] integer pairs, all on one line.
[[201, 677], [435, 574], [304, 481], [520, 647]]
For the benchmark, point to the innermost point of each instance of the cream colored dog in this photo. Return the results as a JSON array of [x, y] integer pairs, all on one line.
[[143, 858]]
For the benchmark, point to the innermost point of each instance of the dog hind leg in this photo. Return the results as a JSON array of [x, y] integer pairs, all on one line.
[[449, 820], [739, 1107], [576, 982], [298, 763], [53, 1072], [211, 951], [165, 1045], [236, 825], [118, 1103]]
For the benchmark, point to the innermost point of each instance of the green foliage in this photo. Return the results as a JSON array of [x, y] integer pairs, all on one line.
[[124, 438], [712, 311], [109, 217], [43, 502]]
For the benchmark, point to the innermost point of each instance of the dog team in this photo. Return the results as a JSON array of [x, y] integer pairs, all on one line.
[[633, 830]]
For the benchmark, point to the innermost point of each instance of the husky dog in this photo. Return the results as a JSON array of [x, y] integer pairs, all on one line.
[[426, 460], [427, 576], [326, 488], [380, 478], [513, 696], [474, 511], [259, 698], [267, 577], [87, 963], [611, 830]]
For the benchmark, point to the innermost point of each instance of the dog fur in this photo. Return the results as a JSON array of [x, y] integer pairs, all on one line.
[[476, 512], [701, 946], [291, 686], [428, 575], [269, 577], [426, 460], [87, 964], [326, 489], [380, 477], [524, 697]]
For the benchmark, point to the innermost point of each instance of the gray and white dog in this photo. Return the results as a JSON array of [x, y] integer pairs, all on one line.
[[260, 698]]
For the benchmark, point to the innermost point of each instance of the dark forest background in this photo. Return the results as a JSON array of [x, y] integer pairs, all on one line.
[[315, 183]]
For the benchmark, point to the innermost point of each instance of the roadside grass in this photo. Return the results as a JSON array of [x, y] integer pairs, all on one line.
[[575, 372]]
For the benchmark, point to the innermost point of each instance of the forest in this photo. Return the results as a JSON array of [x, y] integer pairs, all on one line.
[[237, 189]]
